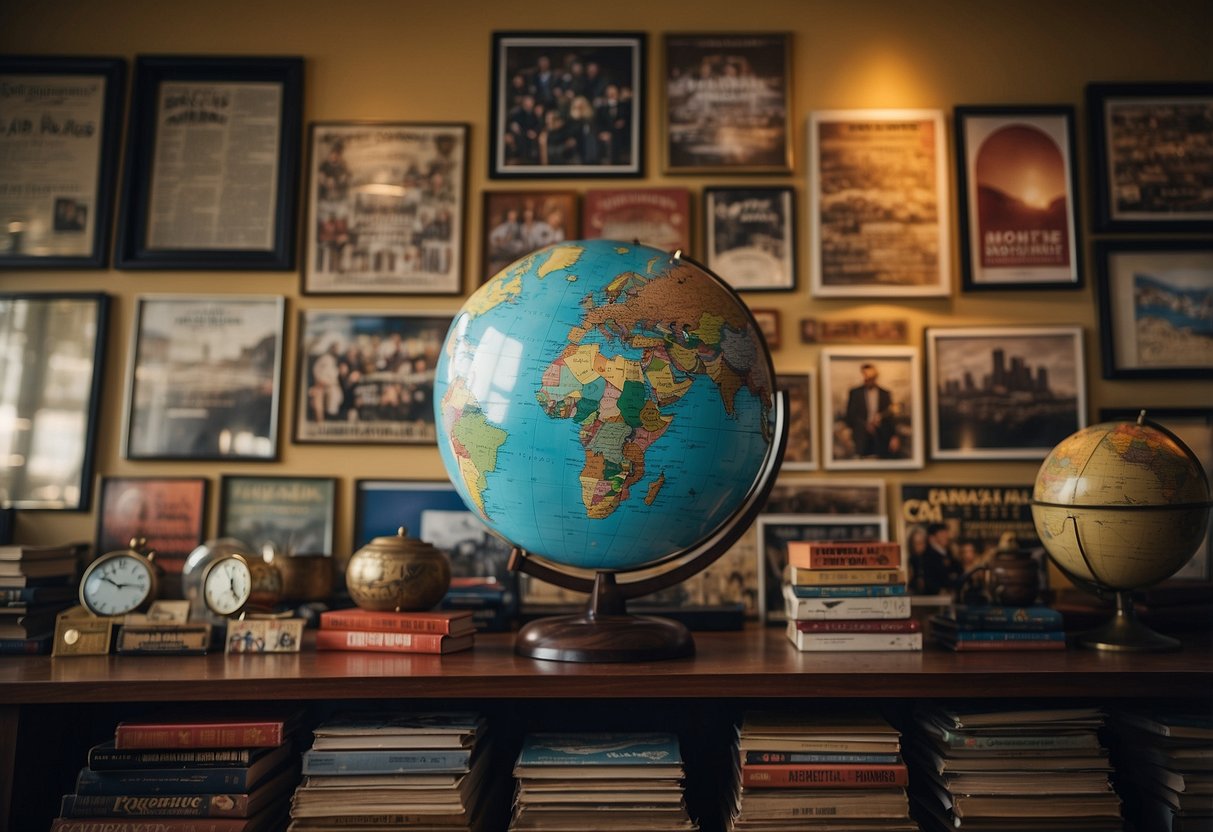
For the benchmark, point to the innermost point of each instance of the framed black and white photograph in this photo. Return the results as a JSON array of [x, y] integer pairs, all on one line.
[[1152, 155], [1004, 392], [878, 204], [52, 356], [750, 237], [836, 495], [385, 208], [727, 106], [62, 126], [768, 323], [1017, 186], [1154, 297], [567, 104], [517, 223], [287, 516], [871, 408], [801, 452], [204, 377], [212, 163], [367, 377]]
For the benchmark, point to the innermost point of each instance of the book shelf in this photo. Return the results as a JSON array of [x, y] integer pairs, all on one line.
[[52, 709]]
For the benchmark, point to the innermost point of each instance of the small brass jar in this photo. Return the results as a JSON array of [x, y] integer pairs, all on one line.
[[398, 573]]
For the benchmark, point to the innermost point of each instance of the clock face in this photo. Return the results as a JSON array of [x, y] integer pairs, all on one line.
[[117, 584], [226, 585]]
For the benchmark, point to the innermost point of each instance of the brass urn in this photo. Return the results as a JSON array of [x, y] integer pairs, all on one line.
[[398, 573]]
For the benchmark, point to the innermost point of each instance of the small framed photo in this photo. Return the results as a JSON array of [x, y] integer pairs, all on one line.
[[212, 161], [367, 377], [727, 102], [385, 208], [657, 217], [567, 104], [801, 453], [878, 204], [1017, 184], [59, 159], [874, 401], [776, 531], [750, 237], [285, 515], [833, 496], [204, 377], [1151, 297], [517, 223], [768, 323], [168, 512], [1152, 156]]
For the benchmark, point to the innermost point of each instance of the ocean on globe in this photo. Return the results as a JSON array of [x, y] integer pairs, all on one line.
[[1135, 497], [603, 404]]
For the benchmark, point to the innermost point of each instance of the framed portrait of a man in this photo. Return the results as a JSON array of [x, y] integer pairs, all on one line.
[[872, 408]]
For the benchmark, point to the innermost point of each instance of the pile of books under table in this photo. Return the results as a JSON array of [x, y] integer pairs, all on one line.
[[1164, 767]]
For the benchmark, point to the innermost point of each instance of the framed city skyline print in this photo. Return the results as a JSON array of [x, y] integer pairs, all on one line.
[[212, 161], [727, 102], [385, 208], [871, 408], [1151, 293], [59, 159], [657, 217], [167, 512], [801, 452], [750, 237], [284, 515], [1151, 156], [878, 204], [1004, 392], [567, 104], [517, 223], [1017, 188]]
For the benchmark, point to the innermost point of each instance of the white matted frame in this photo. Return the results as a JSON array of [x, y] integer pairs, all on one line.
[[871, 430]]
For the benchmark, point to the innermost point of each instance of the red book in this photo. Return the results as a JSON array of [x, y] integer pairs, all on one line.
[[844, 554], [260, 731], [163, 824], [444, 622], [860, 625], [378, 641], [824, 776]]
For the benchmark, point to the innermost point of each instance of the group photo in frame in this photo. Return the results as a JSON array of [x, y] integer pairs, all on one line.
[[62, 127], [1151, 155], [1151, 293], [385, 208], [367, 377], [878, 204], [283, 515], [204, 377], [657, 217], [727, 105], [168, 513], [567, 104], [871, 408], [750, 237], [1017, 189], [517, 223], [801, 451], [233, 208]]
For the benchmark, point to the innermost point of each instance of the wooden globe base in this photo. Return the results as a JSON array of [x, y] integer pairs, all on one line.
[[1125, 633]]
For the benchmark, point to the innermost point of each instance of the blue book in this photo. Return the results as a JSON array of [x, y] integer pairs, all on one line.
[[380, 761], [185, 780], [863, 591], [782, 757], [600, 749], [1006, 635], [1005, 618]]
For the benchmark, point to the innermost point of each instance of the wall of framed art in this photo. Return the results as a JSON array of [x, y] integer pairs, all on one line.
[[388, 84]]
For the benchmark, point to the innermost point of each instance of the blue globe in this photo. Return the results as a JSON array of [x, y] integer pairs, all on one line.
[[604, 405]]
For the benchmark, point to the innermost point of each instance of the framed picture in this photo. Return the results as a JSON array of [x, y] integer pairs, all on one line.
[[285, 515], [801, 454], [750, 237], [1017, 183], [58, 159], [517, 223], [854, 330], [1005, 392], [832, 496], [1151, 297], [776, 531], [658, 217], [567, 104], [1152, 156], [212, 161], [728, 103], [204, 377], [874, 401], [768, 322], [367, 377], [878, 209], [52, 356], [168, 512], [385, 208]]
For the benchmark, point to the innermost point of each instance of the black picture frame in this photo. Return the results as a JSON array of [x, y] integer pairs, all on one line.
[[266, 246], [1167, 127], [518, 139], [284, 514], [1017, 180], [80, 217], [749, 236]]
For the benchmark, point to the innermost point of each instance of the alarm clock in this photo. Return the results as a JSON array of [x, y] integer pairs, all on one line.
[[227, 584], [119, 582]]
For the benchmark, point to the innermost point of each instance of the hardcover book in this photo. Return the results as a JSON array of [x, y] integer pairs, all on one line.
[[1005, 618], [391, 641], [443, 622], [824, 776], [797, 576], [860, 642], [391, 729], [381, 761], [105, 757], [854, 625], [600, 749], [189, 798], [146, 781], [265, 730], [865, 591], [844, 554], [828, 609]]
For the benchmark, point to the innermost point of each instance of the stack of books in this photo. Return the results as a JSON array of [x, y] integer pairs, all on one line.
[[848, 595], [1022, 769], [436, 631], [818, 771], [36, 584], [1164, 768], [220, 774], [968, 627], [386, 769], [600, 781]]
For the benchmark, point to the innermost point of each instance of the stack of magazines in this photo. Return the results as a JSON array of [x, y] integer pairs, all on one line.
[[1164, 768]]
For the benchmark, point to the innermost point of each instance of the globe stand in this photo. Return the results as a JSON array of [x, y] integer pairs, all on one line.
[[1125, 632]]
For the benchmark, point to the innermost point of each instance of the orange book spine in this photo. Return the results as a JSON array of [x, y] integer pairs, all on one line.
[[396, 622], [379, 641], [824, 776], [844, 554], [200, 735], [1017, 644]]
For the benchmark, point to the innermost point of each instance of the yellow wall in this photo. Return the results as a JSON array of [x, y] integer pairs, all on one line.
[[429, 61]]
